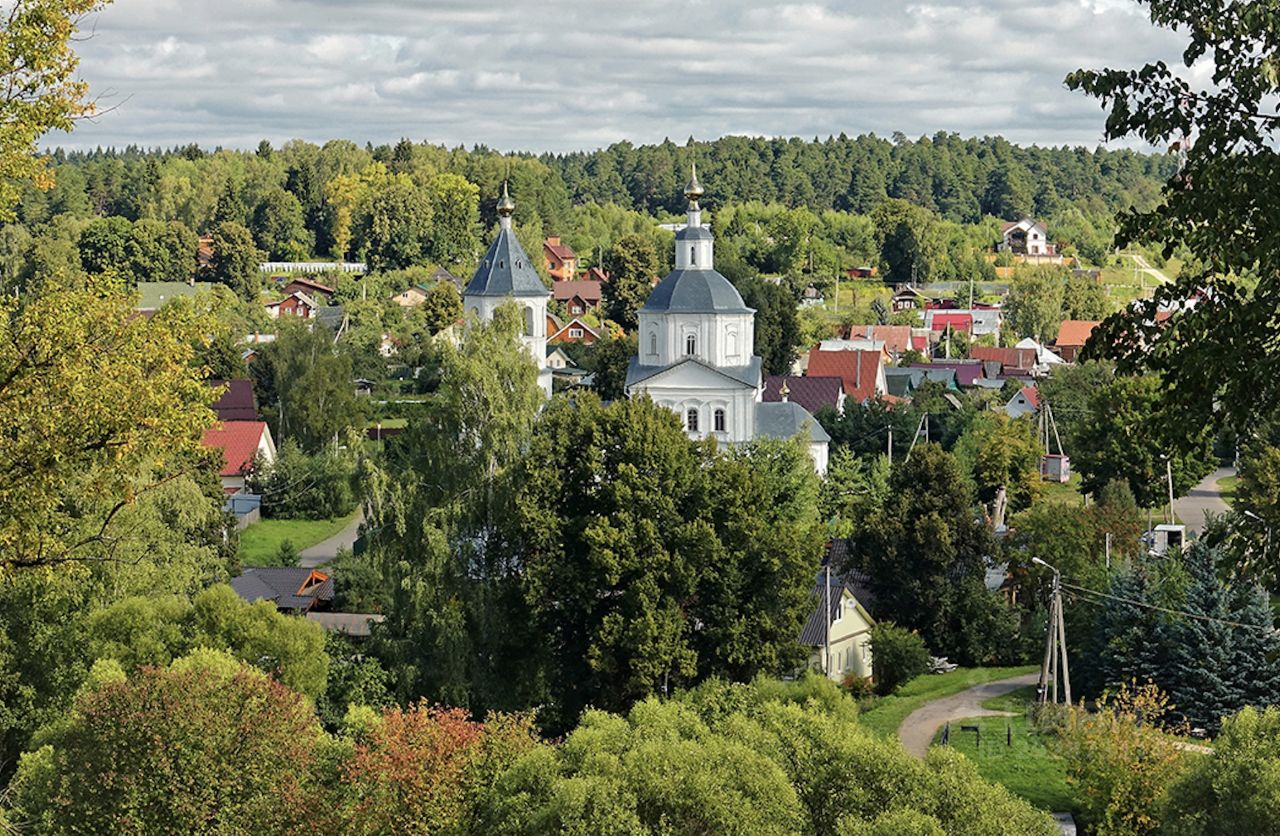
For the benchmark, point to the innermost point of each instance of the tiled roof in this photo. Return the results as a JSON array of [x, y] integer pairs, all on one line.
[[288, 587], [812, 393], [237, 403], [587, 289], [238, 441], [1075, 332], [858, 369], [561, 251]]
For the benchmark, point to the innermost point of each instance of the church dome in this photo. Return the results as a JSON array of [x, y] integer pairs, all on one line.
[[695, 291]]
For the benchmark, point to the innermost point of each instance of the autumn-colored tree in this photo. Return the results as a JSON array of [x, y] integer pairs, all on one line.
[[207, 745], [1122, 761], [97, 404], [41, 92], [421, 770]]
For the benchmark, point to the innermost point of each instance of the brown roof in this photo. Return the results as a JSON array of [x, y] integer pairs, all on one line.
[[1075, 332], [812, 393], [896, 338], [237, 403], [308, 284], [588, 290], [1010, 359], [559, 250], [858, 370]]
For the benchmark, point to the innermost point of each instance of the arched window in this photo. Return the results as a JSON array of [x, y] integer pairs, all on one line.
[[731, 342], [719, 420], [691, 345], [693, 254], [529, 322], [653, 342], [691, 420]]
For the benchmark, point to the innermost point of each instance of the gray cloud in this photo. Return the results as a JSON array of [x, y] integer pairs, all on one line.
[[560, 75]]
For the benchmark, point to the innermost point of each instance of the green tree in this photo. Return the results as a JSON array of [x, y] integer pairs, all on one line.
[[1120, 438], [1034, 307], [75, 466], [206, 744], [1000, 452], [310, 395], [899, 656], [455, 219], [907, 241], [609, 360], [103, 242], [279, 228], [777, 330], [1068, 390], [442, 308], [391, 221], [44, 93], [1196, 352], [235, 260], [1232, 791], [1008, 193], [632, 264], [157, 251]]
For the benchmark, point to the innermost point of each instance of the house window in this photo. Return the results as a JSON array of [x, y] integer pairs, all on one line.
[[691, 345], [719, 420], [691, 420], [576, 309], [575, 332]]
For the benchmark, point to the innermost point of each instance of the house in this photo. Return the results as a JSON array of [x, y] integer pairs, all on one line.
[[1072, 335], [313, 289], [561, 260], [862, 372], [204, 252], [237, 403], [364, 387], [576, 331], [411, 298], [1045, 359], [558, 360], [1011, 361], [895, 338], [241, 443], [293, 589], [578, 296], [967, 372], [1025, 402], [1026, 237], [813, 393], [440, 274], [855, 344], [333, 317], [907, 298], [861, 272], [153, 295], [296, 304], [357, 625], [953, 321], [595, 274], [838, 630]]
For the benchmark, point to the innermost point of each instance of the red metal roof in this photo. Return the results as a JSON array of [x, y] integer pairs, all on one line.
[[238, 441], [1075, 332], [957, 321], [858, 369]]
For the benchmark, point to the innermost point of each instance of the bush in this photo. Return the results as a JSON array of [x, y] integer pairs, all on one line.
[[856, 686], [298, 486], [898, 656]]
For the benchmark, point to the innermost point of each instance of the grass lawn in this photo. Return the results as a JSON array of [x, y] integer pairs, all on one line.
[[1063, 493], [887, 713], [1014, 755], [1228, 487], [260, 542]]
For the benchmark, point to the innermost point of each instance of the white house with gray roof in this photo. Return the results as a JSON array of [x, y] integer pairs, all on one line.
[[505, 275], [696, 352]]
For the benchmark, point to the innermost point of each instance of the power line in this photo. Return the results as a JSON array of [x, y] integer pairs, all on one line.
[[1085, 592]]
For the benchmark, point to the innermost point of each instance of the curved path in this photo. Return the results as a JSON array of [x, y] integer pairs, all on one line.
[[918, 730], [326, 550], [1203, 498]]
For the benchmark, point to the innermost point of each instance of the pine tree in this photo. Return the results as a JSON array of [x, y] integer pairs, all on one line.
[[1199, 680], [1255, 662]]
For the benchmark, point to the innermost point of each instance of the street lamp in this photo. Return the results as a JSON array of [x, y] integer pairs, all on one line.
[[1266, 544]]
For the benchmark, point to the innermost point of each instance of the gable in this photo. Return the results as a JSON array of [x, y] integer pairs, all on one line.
[[689, 374]]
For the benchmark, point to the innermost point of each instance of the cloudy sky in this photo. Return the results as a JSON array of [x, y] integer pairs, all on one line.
[[559, 75]]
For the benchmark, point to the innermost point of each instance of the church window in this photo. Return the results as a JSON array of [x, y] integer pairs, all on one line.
[[693, 254], [653, 342], [719, 420], [691, 420], [691, 345], [529, 322], [501, 264]]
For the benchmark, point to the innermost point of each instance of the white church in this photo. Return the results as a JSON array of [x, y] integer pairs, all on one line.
[[506, 274], [696, 340]]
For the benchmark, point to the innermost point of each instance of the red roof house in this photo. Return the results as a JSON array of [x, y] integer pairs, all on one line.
[[576, 331], [296, 304], [241, 442], [961, 322], [896, 338], [861, 371], [1072, 335]]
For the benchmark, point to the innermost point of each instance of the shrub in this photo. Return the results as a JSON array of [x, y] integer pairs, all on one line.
[[1121, 761], [298, 486], [898, 656], [856, 686]]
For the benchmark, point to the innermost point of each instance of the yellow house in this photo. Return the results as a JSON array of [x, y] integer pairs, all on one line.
[[838, 632]]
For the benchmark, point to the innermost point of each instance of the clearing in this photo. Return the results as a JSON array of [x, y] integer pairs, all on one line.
[[260, 542]]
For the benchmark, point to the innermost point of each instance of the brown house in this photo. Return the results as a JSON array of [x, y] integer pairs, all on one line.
[[576, 331], [578, 296], [562, 261], [1072, 335]]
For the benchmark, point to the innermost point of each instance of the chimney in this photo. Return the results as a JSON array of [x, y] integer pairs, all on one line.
[[554, 240]]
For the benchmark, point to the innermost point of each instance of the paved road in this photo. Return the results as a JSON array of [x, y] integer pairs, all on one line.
[[326, 550], [1205, 496], [918, 730], [1145, 266]]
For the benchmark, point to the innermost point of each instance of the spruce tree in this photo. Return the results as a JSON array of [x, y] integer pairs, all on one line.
[[1200, 682]]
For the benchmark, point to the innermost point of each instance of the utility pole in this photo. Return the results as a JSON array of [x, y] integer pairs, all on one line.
[[1168, 471], [826, 626], [1055, 646], [890, 445]]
